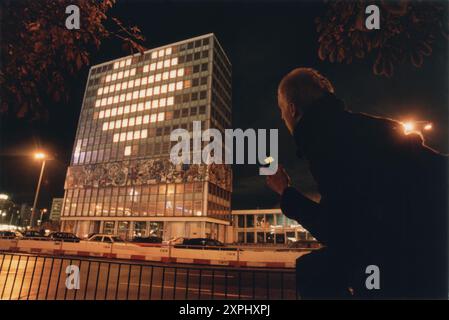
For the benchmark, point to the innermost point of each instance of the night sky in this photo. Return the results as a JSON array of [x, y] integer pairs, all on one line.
[[263, 41]]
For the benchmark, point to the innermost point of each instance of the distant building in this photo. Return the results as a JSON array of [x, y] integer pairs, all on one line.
[[56, 209], [266, 226], [24, 215]]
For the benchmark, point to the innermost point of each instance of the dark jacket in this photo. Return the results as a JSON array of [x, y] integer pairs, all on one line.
[[383, 197]]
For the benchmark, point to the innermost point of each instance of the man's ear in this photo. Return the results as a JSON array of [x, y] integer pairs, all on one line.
[[293, 110]]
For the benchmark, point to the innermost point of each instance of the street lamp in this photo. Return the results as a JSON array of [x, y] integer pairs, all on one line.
[[416, 126], [43, 157]]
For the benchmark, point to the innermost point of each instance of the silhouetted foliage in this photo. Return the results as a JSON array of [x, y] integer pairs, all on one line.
[[407, 33], [38, 53]]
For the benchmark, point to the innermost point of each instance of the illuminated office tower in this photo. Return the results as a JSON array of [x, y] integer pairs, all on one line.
[[120, 179]]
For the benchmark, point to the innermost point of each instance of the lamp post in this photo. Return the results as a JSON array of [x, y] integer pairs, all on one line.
[[39, 156]]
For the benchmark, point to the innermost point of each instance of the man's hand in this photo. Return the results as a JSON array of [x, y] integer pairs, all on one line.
[[279, 181]]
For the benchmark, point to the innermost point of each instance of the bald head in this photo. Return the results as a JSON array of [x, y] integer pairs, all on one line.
[[303, 86], [298, 89]]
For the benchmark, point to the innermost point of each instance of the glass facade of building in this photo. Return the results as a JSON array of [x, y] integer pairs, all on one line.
[[120, 179], [266, 226]]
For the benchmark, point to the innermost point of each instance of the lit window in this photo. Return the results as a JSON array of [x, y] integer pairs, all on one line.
[[159, 65], [116, 99], [172, 74], [137, 82], [131, 84], [146, 68], [138, 120], [179, 85], [135, 94], [116, 137], [129, 96], [124, 122], [171, 87], [168, 51], [101, 115], [161, 53], [144, 80], [132, 121], [122, 63], [107, 113], [103, 102], [174, 61], [133, 107], [146, 119], [158, 77], [133, 71], [127, 150], [164, 88], [149, 92], [114, 76], [111, 125], [108, 78], [120, 110], [144, 133], [170, 101], [120, 75], [129, 135], [147, 105], [140, 106], [154, 55], [116, 65], [118, 124], [160, 116], [97, 103], [128, 61], [105, 126], [122, 136], [127, 109], [153, 66], [154, 103], [153, 118], [114, 112], [142, 93], [166, 63], [150, 79], [100, 91], [187, 84], [109, 100], [122, 97], [126, 74], [156, 90], [162, 102], [112, 88], [180, 72], [136, 135], [124, 85], [118, 86], [106, 90]]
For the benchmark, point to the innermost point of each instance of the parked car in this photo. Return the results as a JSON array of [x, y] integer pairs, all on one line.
[[33, 234], [202, 243], [304, 244], [8, 235], [150, 239], [64, 236], [108, 238], [174, 241]]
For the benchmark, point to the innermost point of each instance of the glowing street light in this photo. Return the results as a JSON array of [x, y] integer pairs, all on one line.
[[416, 126], [39, 155], [43, 157]]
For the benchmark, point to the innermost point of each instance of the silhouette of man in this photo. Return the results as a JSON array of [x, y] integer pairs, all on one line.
[[383, 198]]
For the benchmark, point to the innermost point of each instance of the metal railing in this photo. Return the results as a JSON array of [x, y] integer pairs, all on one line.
[[34, 277]]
